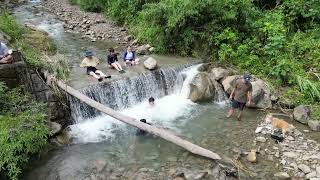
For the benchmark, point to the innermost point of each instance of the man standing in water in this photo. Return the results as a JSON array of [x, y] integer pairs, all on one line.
[[241, 95]]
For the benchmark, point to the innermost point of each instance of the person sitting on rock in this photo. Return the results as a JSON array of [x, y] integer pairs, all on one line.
[[241, 95], [91, 62], [113, 61], [129, 56], [5, 54]]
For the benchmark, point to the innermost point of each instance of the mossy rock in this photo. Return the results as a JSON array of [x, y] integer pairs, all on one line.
[[40, 40]]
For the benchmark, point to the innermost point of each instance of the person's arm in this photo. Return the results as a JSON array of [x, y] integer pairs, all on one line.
[[116, 58], [134, 55], [83, 63], [232, 93], [97, 60], [250, 96], [109, 59], [124, 56]]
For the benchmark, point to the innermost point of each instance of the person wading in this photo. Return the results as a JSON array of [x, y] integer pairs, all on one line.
[[241, 95], [91, 62]]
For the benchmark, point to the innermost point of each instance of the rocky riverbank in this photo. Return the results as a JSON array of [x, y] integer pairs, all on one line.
[[91, 25], [298, 156]]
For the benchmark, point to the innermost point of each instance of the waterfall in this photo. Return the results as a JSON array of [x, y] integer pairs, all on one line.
[[127, 92], [170, 87]]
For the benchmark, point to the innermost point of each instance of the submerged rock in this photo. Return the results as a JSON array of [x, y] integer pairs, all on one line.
[[302, 114]]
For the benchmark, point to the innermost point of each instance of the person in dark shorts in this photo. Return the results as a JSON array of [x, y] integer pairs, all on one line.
[[141, 132], [113, 61], [241, 95], [91, 62], [5, 54]]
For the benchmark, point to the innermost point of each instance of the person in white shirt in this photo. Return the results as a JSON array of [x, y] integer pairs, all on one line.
[[129, 57], [5, 54]]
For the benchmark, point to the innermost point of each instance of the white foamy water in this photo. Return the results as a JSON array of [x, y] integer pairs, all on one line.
[[164, 113]]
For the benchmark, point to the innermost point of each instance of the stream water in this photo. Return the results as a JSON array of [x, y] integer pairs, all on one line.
[[99, 137]]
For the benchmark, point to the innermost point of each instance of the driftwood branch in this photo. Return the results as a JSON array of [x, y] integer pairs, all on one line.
[[195, 149]]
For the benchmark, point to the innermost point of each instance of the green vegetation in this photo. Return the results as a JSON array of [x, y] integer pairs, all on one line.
[[275, 40], [23, 131], [33, 44]]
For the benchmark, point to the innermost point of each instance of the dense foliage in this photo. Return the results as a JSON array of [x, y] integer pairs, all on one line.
[[23, 131], [276, 40]]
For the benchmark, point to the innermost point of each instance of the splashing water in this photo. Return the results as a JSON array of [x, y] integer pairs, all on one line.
[[164, 113]]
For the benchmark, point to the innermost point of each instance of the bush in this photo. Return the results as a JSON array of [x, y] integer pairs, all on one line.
[[275, 39], [23, 131]]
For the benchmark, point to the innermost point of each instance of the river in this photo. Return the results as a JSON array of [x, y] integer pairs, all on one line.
[[99, 138]]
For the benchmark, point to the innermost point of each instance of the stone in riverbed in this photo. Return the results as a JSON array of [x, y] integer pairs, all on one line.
[[252, 156], [258, 130], [318, 171], [290, 154], [282, 175], [54, 128], [302, 114], [228, 83], [290, 138], [314, 125], [317, 178], [219, 73], [150, 63], [201, 88], [261, 139], [304, 168], [311, 175]]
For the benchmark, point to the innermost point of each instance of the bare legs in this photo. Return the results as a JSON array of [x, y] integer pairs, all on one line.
[[98, 75], [117, 66], [132, 63], [6, 60], [231, 111]]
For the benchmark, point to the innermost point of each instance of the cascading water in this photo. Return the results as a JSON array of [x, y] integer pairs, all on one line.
[[124, 93], [171, 94]]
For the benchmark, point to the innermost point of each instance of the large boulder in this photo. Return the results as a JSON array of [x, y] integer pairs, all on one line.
[[150, 63], [219, 73], [201, 88], [228, 83], [144, 49], [314, 125], [260, 95], [302, 114]]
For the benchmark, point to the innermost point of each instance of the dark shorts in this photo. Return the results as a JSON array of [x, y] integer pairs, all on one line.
[[237, 104], [91, 69]]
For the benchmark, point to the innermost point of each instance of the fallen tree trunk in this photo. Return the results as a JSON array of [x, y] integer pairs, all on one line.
[[195, 149]]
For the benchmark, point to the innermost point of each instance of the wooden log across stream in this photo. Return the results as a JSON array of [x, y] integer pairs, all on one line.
[[167, 135]]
